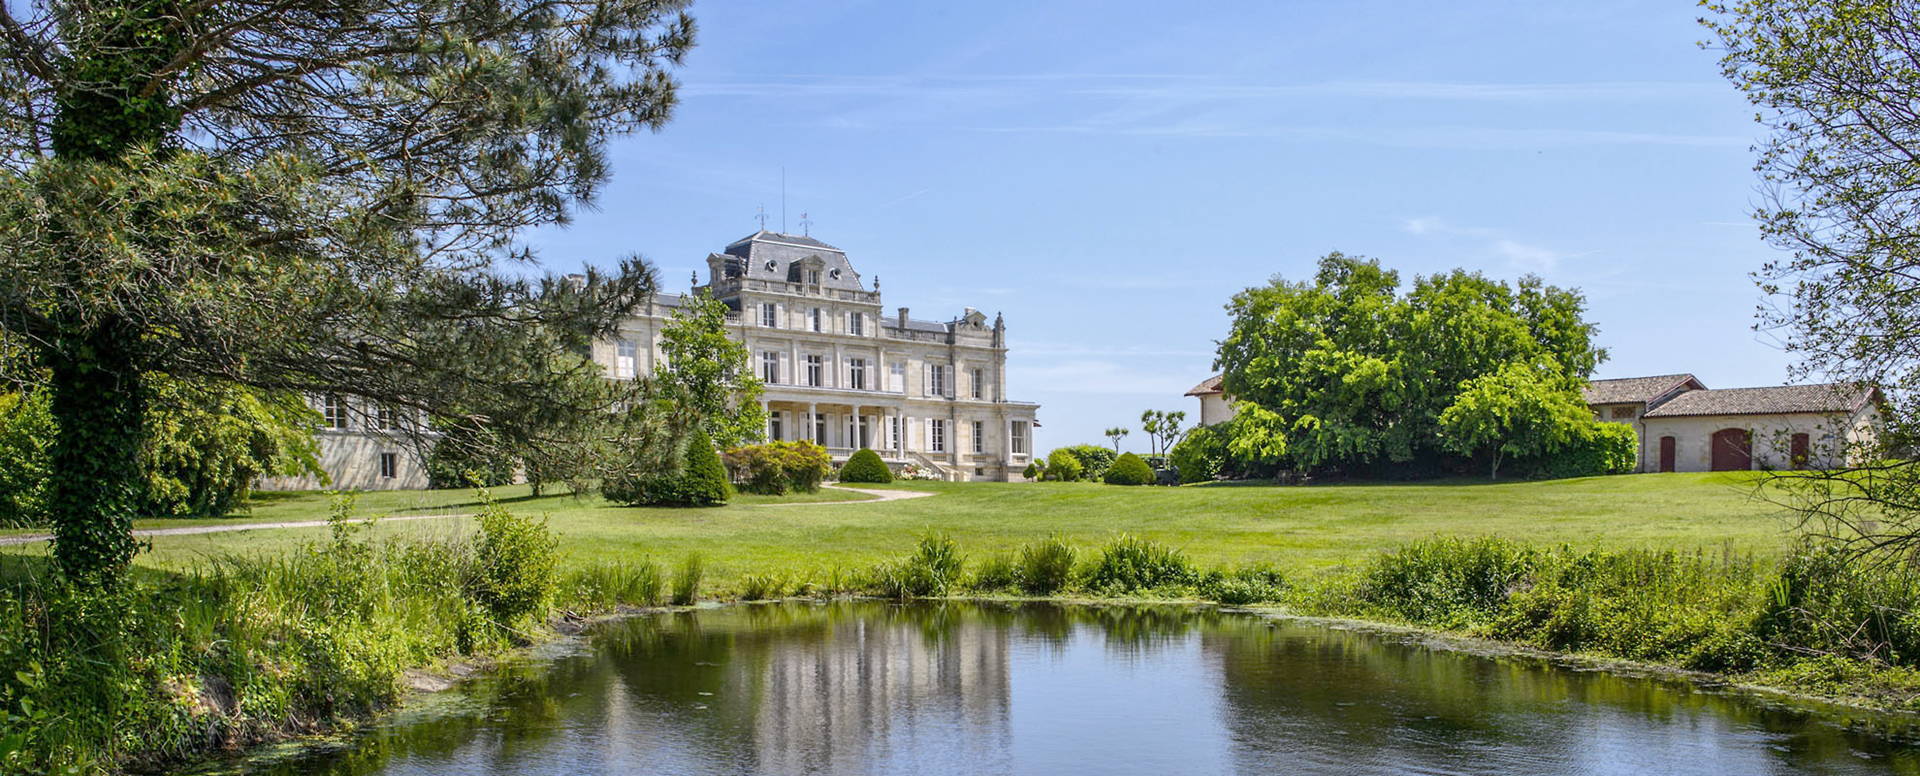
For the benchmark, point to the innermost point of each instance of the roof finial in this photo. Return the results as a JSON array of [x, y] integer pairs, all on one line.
[[761, 214], [696, 278], [806, 227]]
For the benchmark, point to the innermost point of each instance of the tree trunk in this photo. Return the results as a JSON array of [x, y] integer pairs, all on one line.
[[99, 412], [1495, 474]]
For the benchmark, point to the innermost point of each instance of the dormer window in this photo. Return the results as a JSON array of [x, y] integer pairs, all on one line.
[[813, 277], [834, 273]]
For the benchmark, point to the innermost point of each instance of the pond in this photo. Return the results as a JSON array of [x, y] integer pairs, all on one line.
[[932, 688]]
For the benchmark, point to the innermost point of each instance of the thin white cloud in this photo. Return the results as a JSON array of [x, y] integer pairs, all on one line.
[[1521, 255]]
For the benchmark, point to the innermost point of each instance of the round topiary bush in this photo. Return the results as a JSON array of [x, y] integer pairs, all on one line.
[[1128, 469], [702, 482], [1032, 471], [865, 466]]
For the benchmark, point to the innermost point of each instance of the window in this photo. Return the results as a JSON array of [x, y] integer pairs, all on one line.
[[815, 318], [389, 465], [813, 371], [936, 380], [813, 277], [854, 327], [937, 435], [383, 419], [979, 436], [770, 368], [820, 429], [1623, 413], [335, 411], [773, 427], [623, 359], [977, 388], [1018, 438], [893, 432], [769, 315], [857, 374], [899, 377]]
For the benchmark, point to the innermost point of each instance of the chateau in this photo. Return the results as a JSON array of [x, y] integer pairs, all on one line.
[[837, 371], [840, 371]]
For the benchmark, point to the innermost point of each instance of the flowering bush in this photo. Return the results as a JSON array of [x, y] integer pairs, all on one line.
[[914, 471]]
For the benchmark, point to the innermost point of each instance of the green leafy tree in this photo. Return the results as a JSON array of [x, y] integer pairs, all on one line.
[[1162, 428], [1518, 411], [208, 444], [711, 373], [26, 435], [1347, 373], [701, 481], [1115, 435], [1093, 459], [1835, 84], [1201, 455], [311, 196]]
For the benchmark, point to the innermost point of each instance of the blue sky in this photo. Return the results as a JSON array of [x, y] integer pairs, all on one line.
[[1108, 174]]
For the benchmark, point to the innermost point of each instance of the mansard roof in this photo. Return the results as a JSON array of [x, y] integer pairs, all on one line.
[[1208, 387], [1637, 390], [766, 255], [1770, 400]]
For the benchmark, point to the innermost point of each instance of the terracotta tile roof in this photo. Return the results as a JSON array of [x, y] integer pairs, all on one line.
[[1207, 387], [1771, 400], [1630, 390]]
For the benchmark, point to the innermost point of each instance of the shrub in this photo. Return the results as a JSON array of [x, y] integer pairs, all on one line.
[[933, 569], [1594, 449], [778, 468], [515, 563], [999, 572], [1128, 564], [865, 466], [26, 436], [604, 586], [1201, 455], [1448, 581], [1093, 459], [1130, 470], [686, 585], [1032, 472], [701, 481], [1062, 466], [762, 587], [1246, 585], [1046, 567]]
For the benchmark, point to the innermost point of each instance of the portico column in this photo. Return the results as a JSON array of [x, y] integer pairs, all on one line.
[[813, 424]]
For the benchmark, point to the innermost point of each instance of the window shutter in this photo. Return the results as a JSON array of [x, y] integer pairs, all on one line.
[[926, 379], [779, 316], [926, 442], [786, 369]]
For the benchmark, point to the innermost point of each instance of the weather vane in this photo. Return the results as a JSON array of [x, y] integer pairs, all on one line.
[[761, 214], [806, 227]]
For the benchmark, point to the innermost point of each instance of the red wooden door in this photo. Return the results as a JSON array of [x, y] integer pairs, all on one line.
[[1732, 450], [1666, 453]]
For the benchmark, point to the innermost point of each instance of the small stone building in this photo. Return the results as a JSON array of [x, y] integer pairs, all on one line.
[[1215, 405], [1683, 426]]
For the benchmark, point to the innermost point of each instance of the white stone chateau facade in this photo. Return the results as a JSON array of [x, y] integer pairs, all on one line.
[[841, 371]]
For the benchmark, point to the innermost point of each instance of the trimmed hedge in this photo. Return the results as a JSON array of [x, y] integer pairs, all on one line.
[[1128, 469], [701, 482], [865, 466]]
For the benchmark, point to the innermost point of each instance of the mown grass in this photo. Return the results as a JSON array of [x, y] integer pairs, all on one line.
[[1297, 527]]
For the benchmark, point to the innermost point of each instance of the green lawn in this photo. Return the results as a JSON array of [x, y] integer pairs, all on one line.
[[1292, 527]]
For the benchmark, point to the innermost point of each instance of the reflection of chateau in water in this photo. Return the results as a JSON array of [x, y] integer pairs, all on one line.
[[871, 697]]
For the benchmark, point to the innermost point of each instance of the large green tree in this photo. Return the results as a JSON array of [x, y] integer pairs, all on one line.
[[308, 196], [1347, 373], [1836, 83]]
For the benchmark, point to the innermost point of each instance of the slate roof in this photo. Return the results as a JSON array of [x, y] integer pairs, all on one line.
[[1633, 390], [783, 238], [767, 255], [1771, 400], [1207, 387]]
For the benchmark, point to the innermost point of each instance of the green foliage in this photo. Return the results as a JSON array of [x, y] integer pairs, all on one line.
[[1046, 567], [516, 563], [686, 584], [26, 436], [1519, 410], [1594, 449], [1129, 564], [999, 572], [710, 372], [1447, 581], [934, 568], [1346, 373], [778, 468], [1032, 472], [1162, 428], [1128, 469], [469, 456], [1063, 466], [1245, 585], [1093, 459], [701, 481], [208, 444], [604, 586], [865, 466], [1201, 455], [762, 586]]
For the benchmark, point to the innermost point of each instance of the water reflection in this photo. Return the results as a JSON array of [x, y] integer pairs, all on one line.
[[1036, 688]]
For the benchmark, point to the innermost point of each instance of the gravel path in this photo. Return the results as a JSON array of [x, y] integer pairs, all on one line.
[[9, 541]]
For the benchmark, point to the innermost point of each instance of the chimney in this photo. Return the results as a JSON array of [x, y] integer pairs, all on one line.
[[903, 317]]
